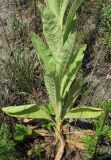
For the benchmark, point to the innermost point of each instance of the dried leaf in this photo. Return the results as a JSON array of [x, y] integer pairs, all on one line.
[[65, 129], [29, 153], [42, 132], [74, 140], [49, 146]]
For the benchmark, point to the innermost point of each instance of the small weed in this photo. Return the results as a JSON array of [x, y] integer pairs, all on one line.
[[92, 144], [7, 146], [38, 149], [21, 66], [106, 28], [21, 132], [88, 90], [89, 144], [19, 31], [23, 71], [16, 24]]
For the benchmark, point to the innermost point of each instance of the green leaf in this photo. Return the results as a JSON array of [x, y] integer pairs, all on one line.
[[83, 112], [50, 109], [38, 149], [27, 111], [72, 69], [58, 8], [44, 53], [21, 132], [48, 126], [69, 21], [72, 94], [67, 52], [52, 84], [63, 6], [54, 6], [52, 31], [106, 105]]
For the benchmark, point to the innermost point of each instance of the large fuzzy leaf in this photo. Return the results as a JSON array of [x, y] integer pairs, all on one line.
[[28, 111], [53, 84], [58, 8], [21, 132], [72, 94], [72, 69], [83, 112], [67, 53], [43, 52], [63, 6], [54, 6], [52, 30], [49, 108], [70, 18]]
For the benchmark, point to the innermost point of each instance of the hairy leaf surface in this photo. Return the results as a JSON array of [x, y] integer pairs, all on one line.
[[54, 6], [83, 112], [66, 54], [52, 31], [27, 111], [53, 84], [72, 94], [70, 18], [72, 69], [44, 53]]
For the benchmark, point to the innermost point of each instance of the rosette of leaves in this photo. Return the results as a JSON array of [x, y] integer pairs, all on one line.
[[61, 61]]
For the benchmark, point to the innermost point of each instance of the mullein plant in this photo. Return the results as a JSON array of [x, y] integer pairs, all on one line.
[[61, 61]]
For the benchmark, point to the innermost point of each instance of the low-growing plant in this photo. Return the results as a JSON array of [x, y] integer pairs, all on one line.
[[61, 62], [21, 132], [21, 71], [106, 28], [102, 129], [19, 32], [7, 145], [106, 24], [89, 144], [38, 149], [106, 15], [17, 24]]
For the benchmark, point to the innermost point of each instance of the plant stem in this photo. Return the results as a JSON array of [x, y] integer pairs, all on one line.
[[61, 146]]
